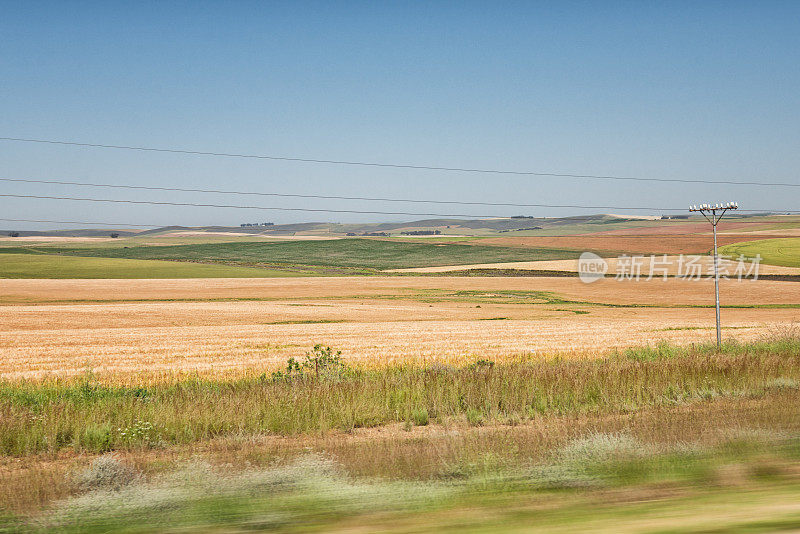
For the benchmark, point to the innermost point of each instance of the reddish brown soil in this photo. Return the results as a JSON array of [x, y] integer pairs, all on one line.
[[650, 244], [688, 228]]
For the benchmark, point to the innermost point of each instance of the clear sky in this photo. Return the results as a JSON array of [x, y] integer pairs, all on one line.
[[705, 90]]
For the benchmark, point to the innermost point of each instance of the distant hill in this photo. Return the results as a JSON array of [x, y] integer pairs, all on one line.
[[93, 232], [582, 223]]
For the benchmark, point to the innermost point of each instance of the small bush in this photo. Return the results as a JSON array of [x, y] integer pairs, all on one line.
[[481, 364], [106, 473], [95, 438], [321, 362], [599, 448], [420, 417], [592, 460]]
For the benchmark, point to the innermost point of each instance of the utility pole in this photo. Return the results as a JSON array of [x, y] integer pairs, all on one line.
[[710, 213]]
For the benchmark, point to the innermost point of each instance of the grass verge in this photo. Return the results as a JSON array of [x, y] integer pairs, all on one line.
[[84, 415]]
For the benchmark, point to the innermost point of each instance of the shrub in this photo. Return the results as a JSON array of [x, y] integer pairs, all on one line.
[[321, 362], [420, 417], [96, 438], [106, 473], [599, 448], [591, 460], [481, 364]]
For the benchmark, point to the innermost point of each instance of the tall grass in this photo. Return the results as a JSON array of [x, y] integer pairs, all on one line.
[[87, 416]]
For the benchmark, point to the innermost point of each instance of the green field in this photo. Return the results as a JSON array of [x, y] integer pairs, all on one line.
[[348, 255], [784, 251], [57, 266]]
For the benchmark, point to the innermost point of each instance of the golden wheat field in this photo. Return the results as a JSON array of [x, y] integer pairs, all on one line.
[[219, 326]]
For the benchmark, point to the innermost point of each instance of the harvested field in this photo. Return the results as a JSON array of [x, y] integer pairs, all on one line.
[[60, 327], [671, 265], [672, 292]]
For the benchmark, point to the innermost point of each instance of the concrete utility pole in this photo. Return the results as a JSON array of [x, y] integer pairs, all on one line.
[[710, 213]]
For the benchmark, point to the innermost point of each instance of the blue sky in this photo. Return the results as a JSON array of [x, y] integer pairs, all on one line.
[[705, 90]]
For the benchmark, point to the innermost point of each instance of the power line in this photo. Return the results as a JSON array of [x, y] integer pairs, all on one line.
[[330, 197], [394, 165], [336, 197], [83, 222], [322, 210], [236, 206]]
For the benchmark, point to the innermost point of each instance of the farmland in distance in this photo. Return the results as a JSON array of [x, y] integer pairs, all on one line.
[[200, 371]]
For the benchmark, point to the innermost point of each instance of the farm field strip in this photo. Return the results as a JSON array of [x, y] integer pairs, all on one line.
[[784, 251], [374, 320], [679, 243], [672, 292], [221, 337], [346, 254], [46, 266], [672, 268]]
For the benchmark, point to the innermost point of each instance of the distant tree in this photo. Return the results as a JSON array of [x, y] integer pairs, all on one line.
[[13, 234], [115, 235]]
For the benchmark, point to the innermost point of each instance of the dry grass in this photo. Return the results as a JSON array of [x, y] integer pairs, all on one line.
[[434, 451], [86, 415]]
